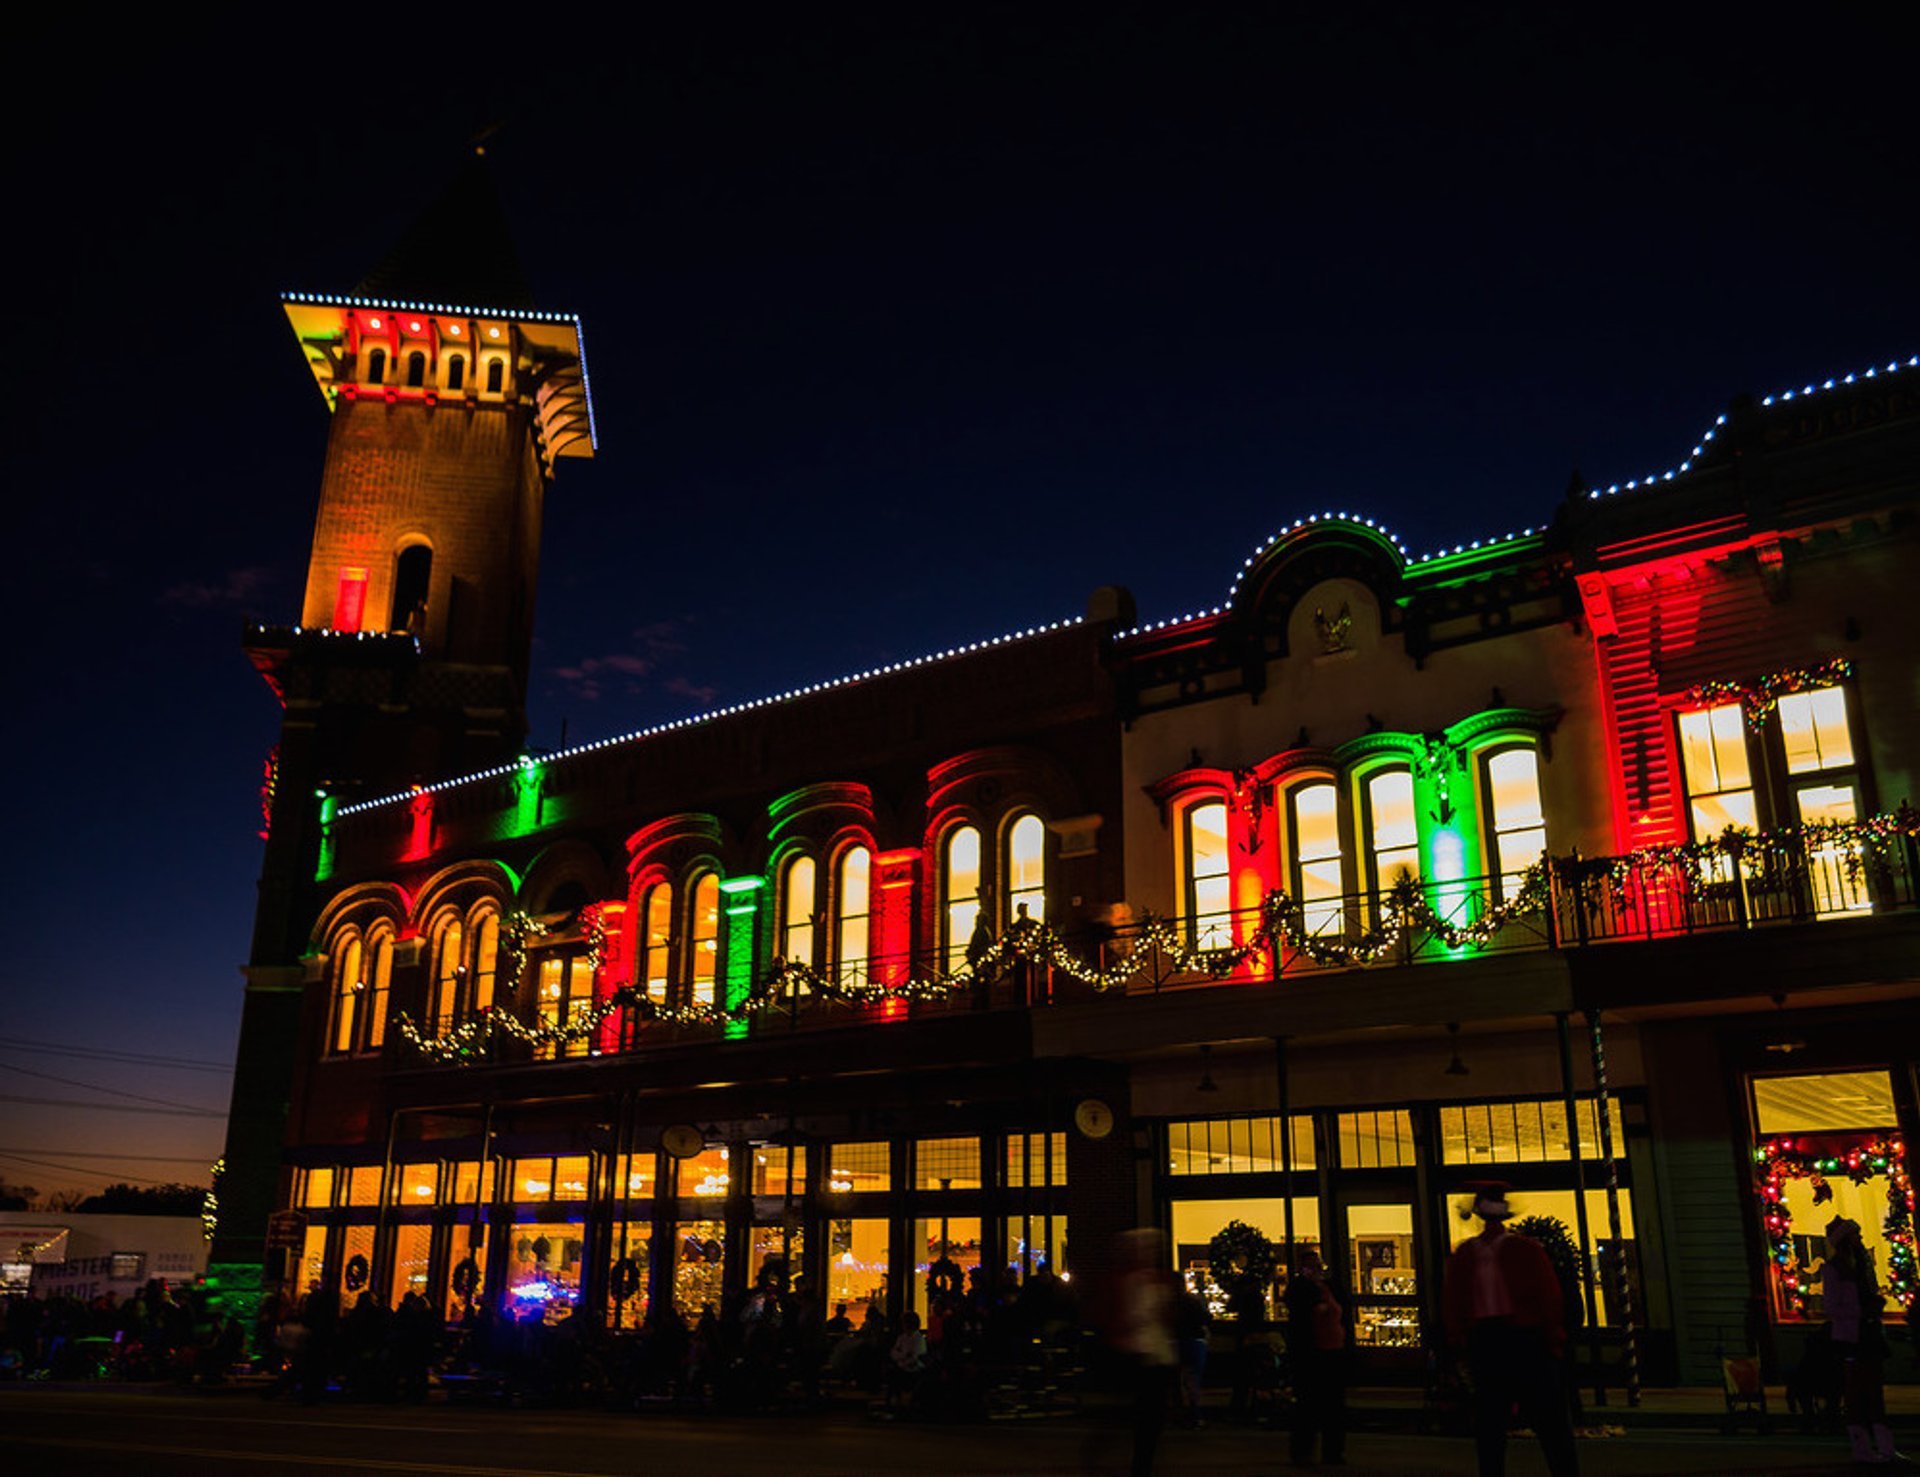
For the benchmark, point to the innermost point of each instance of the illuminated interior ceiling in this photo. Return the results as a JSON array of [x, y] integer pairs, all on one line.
[[546, 345]]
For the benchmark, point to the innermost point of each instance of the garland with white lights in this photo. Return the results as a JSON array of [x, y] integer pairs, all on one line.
[[210, 1202], [1771, 851], [1761, 696]]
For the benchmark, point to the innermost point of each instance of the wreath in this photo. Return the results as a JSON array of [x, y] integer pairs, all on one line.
[[1782, 1159], [945, 1279], [357, 1270], [626, 1278], [466, 1277], [1242, 1261]]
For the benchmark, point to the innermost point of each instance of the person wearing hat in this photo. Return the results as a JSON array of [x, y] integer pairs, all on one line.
[[1853, 1303], [1504, 1311]]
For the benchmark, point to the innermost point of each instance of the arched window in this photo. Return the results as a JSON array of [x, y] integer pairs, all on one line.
[[1516, 823], [485, 924], [1209, 895], [1026, 871], [960, 889], [379, 983], [348, 986], [656, 941], [1318, 884], [416, 369], [798, 900], [852, 917], [1392, 831], [456, 371], [376, 366], [412, 581], [496, 375], [449, 967], [705, 935]]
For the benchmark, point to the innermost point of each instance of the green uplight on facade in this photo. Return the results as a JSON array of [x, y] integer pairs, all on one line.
[[740, 900]]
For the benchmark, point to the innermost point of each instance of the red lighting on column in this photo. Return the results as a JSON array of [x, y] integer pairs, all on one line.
[[350, 602], [420, 827], [892, 960]]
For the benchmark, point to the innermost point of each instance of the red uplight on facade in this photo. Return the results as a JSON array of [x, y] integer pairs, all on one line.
[[350, 603]]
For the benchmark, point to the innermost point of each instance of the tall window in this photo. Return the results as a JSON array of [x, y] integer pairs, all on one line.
[[853, 914], [416, 369], [486, 957], [1817, 743], [704, 966], [1713, 751], [377, 367], [798, 902], [412, 579], [348, 987], [456, 371], [496, 373], [1516, 822], [656, 941], [960, 882], [565, 999], [379, 984], [1209, 893], [449, 966], [1393, 834], [1314, 812], [1026, 875]]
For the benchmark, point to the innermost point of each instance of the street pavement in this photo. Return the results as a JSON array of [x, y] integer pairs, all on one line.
[[72, 1432]]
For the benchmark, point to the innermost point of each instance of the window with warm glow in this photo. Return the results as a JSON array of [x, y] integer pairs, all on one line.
[[1376, 1140], [855, 1169], [1814, 731], [473, 1185], [1318, 883], [639, 1175], [449, 968], [565, 999], [1516, 822], [946, 1164], [316, 1193], [960, 887], [486, 956], [564, 1178], [348, 987], [363, 1185], [1713, 753], [704, 965], [1209, 892], [706, 1175], [415, 1184], [853, 915], [379, 985], [1027, 869], [1393, 835], [1529, 1132], [1817, 741], [1252, 1145], [798, 903], [656, 941], [779, 1169], [1036, 1159]]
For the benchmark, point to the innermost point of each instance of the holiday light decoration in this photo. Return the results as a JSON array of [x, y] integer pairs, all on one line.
[[1703, 862], [1761, 696], [1781, 1159], [210, 1202]]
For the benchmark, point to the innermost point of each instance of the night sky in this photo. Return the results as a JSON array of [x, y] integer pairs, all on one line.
[[900, 335]]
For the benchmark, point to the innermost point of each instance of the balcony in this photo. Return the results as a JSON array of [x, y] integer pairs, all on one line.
[[1741, 885]]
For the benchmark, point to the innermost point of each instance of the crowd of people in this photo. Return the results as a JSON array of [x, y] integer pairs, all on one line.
[[984, 1347]]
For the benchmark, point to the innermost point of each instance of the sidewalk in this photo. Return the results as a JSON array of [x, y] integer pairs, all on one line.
[[1382, 1406]]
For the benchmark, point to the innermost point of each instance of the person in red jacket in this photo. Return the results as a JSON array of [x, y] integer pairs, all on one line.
[[1504, 1312]]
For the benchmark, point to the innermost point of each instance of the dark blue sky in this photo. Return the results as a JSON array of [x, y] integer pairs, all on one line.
[[899, 335]]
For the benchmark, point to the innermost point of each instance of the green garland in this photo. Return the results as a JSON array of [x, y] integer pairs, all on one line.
[[1759, 697], [1874, 835]]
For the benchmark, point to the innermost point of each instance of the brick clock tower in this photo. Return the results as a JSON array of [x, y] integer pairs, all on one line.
[[451, 400]]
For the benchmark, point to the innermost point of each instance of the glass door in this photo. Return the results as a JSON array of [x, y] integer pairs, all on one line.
[[1385, 1273]]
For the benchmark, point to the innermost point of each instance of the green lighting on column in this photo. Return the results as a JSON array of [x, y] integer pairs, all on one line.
[[740, 900], [528, 790], [323, 866]]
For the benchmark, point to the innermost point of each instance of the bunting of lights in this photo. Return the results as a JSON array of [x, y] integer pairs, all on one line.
[[1159, 944], [1781, 1159], [1766, 851], [1759, 697]]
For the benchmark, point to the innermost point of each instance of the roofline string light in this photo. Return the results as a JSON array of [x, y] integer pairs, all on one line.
[[534, 315], [696, 719]]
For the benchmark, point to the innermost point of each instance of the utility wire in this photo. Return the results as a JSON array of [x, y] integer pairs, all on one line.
[[139, 1097], [79, 1169], [112, 1054], [63, 1102], [99, 1154]]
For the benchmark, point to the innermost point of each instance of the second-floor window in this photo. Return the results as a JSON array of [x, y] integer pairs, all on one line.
[[1516, 821], [1209, 893], [960, 881], [348, 987], [565, 998], [656, 942], [1713, 754], [1393, 831], [704, 962], [852, 915], [799, 894], [1314, 853], [1026, 870]]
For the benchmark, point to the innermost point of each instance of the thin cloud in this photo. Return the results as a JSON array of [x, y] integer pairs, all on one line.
[[238, 587]]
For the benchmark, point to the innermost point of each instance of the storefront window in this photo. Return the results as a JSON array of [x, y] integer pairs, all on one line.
[[1604, 1255], [699, 1267], [1376, 1140], [857, 1263], [1533, 1132], [771, 1175], [638, 1176], [1386, 1312], [412, 1251], [771, 1255], [1828, 1145], [317, 1193], [313, 1259], [550, 1179], [704, 1175], [1034, 1243], [954, 1238], [470, 1185], [1236, 1146], [415, 1184], [946, 1164], [1197, 1222], [543, 1270], [1036, 1159], [859, 1168], [363, 1185], [629, 1264], [467, 1278], [356, 1264]]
